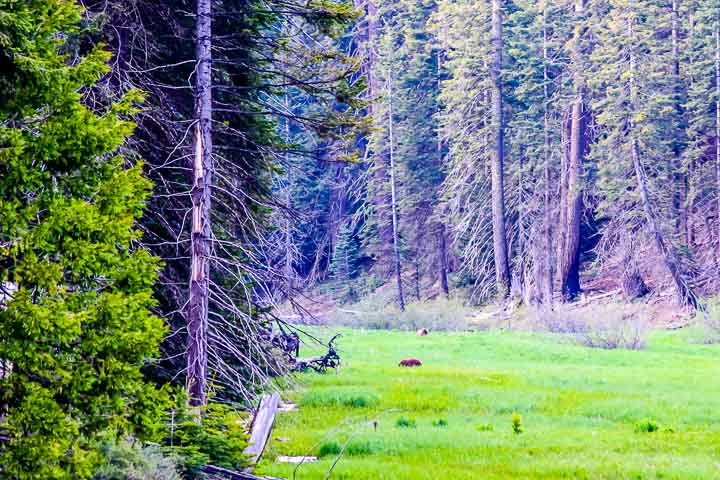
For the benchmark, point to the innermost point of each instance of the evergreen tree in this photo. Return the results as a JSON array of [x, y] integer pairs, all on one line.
[[634, 152], [75, 325], [344, 265]]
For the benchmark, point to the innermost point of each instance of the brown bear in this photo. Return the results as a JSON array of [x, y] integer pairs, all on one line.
[[410, 362]]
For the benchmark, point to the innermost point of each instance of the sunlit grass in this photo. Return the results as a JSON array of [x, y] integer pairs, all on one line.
[[584, 411]]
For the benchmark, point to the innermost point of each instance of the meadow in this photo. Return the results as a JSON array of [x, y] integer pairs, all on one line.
[[579, 412]]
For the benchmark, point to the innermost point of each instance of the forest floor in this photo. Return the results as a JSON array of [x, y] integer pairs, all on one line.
[[586, 412]]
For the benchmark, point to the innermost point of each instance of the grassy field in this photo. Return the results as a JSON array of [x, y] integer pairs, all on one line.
[[585, 412]]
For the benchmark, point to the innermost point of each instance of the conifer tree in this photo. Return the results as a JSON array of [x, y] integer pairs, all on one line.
[[75, 323], [634, 150], [344, 265]]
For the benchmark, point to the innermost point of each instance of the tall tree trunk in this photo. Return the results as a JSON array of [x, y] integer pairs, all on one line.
[[502, 267], [201, 195], [393, 204], [684, 292], [289, 250], [442, 247], [570, 274], [547, 287], [562, 193], [441, 240], [678, 177], [717, 120]]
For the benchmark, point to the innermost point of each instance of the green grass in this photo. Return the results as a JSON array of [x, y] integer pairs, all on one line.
[[586, 413]]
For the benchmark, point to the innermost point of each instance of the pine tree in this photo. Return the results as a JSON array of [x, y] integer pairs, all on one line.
[[344, 265], [634, 151], [76, 327]]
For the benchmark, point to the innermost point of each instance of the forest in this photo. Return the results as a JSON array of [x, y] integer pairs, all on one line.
[[517, 200]]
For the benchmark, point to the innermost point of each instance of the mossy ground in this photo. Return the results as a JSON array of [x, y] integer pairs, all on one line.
[[580, 408]]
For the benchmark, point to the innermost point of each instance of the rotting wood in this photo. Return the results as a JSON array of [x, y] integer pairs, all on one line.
[[261, 426], [320, 363]]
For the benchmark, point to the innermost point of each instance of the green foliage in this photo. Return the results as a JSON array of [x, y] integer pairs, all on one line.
[[344, 265], [77, 326], [218, 440], [647, 426], [484, 427], [404, 422], [517, 425], [331, 448], [130, 460], [440, 423], [353, 448]]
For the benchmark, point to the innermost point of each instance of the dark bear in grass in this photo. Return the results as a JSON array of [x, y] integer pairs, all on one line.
[[410, 362]]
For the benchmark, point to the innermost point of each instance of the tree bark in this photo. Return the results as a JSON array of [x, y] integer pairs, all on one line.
[[393, 204], [289, 257], [201, 195], [442, 247], [570, 273], [502, 267], [441, 240]]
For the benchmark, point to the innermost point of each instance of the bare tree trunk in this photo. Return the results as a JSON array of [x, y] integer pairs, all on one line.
[[201, 195], [570, 273], [417, 278], [562, 209], [684, 292], [393, 204], [289, 250], [502, 267], [442, 241], [547, 287], [442, 244], [678, 177], [381, 200], [717, 119]]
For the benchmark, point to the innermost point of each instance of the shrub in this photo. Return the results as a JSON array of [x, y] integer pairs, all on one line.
[[484, 427], [647, 426], [358, 448], [440, 423], [379, 313], [218, 440], [517, 425], [608, 326], [331, 448], [354, 448], [710, 321], [403, 422], [125, 460]]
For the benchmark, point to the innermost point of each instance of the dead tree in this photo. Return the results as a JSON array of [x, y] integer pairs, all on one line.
[[201, 195]]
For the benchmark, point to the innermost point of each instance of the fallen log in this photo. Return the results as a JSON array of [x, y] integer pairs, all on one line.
[[261, 426], [319, 363], [224, 473]]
